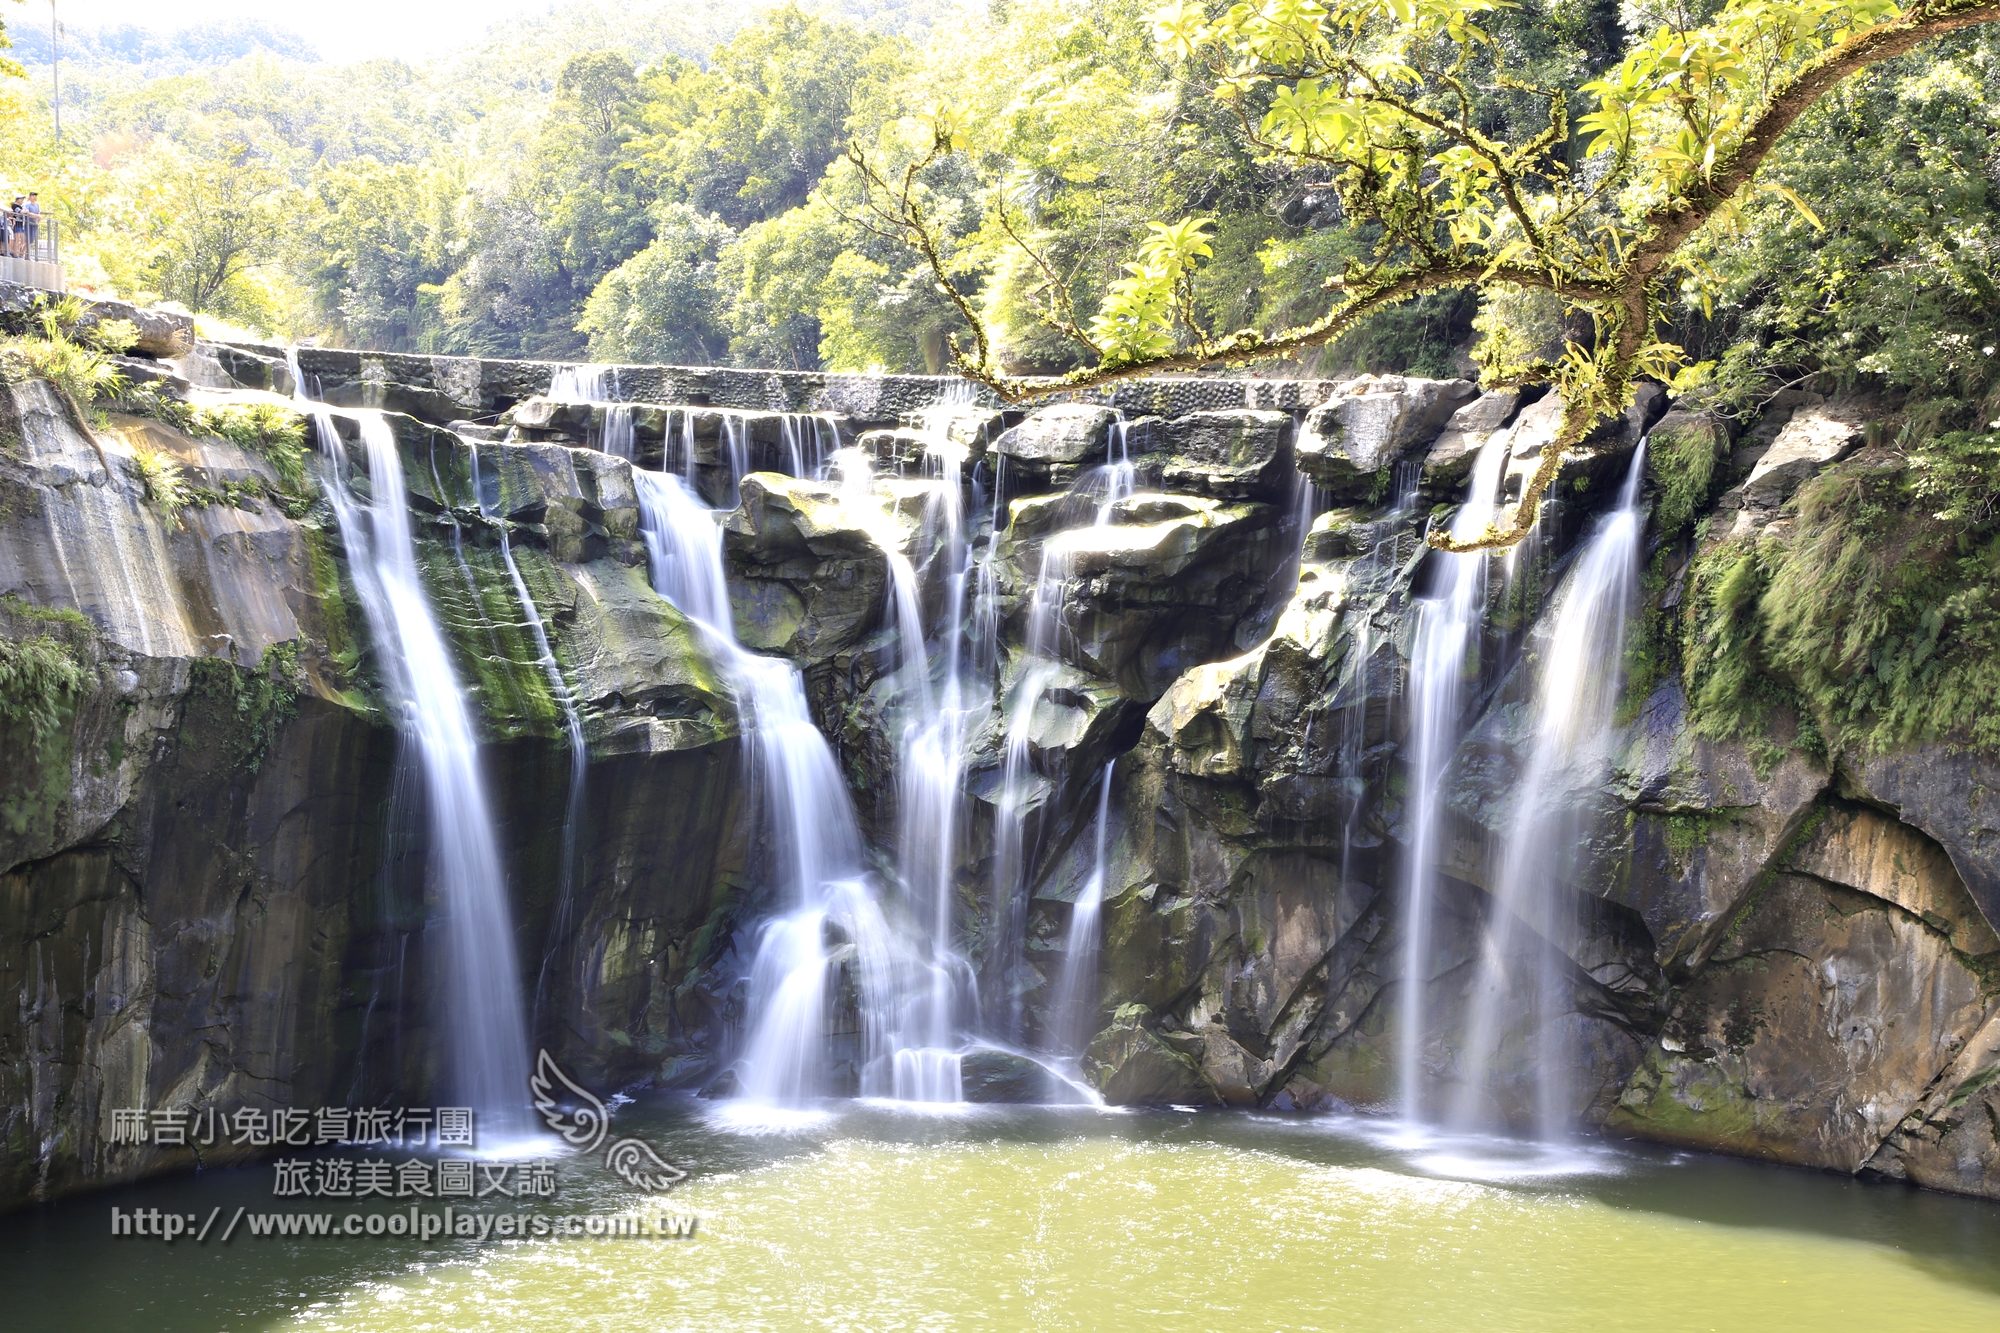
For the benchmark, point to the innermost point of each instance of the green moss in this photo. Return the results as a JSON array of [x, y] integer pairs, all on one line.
[[1652, 649], [237, 713], [1680, 460], [1688, 1101], [40, 678], [1872, 622], [1686, 833], [336, 615], [51, 615], [489, 634]]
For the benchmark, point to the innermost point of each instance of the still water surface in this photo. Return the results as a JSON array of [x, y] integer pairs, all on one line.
[[878, 1218]]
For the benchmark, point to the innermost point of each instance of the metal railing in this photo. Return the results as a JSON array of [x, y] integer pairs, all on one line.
[[35, 237], [31, 250]]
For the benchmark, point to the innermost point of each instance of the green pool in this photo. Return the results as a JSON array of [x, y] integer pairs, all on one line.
[[877, 1218]]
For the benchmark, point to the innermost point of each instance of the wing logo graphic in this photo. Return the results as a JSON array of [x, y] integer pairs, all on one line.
[[586, 1125]]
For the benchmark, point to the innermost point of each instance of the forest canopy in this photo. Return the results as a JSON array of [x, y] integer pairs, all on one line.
[[672, 183]]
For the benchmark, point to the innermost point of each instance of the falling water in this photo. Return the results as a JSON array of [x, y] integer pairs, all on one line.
[[584, 384], [620, 434], [932, 733], [1022, 789], [1447, 625], [1579, 651], [830, 915], [614, 432], [579, 756], [1076, 990], [487, 1043], [1119, 473]]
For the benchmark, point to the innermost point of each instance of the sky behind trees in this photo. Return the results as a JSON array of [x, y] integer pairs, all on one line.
[[353, 30]]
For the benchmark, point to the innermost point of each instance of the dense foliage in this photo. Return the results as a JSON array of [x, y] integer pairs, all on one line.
[[640, 182]]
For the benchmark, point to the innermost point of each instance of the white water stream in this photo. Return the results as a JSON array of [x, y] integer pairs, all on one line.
[[485, 1038], [1443, 654], [1523, 965]]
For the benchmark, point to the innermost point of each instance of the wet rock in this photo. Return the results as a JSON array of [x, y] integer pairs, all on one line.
[[212, 822], [1449, 462], [1350, 441], [1709, 817], [990, 1076], [1158, 590], [1135, 1066], [1054, 443], [1952, 1140], [1237, 454], [808, 576], [894, 450], [1950, 793], [1819, 1022]]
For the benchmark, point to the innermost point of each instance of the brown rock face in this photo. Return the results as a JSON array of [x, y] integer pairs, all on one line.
[[210, 896]]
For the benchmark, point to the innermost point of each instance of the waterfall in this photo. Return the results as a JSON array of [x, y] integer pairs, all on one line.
[[579, 755], [1447, 624], [619, 436], [1579, 650], [1119, 473], [486, 1042], [1076, 988], [736, 449], [584, 384], [931, 738], [830, 914], [614, 432], [805, 438], [1022, 789]]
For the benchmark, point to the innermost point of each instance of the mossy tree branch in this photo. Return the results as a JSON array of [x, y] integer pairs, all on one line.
[[1380, 91]]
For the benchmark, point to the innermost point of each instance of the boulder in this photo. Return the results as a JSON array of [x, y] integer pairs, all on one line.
[[1159, 589], [1234, 454], [1449, 461], [162, 333], [1135, 1066], [896, 450], [808, 575], [988, 1075], [1349, 443], [1813, 439], [1054, 443]]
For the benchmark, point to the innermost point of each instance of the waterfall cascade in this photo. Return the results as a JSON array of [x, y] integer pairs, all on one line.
[[881, 949], [1578, 649], [598, 384], [1076, 986], [1446, 639], [579, 753], [486, 1046], [832, 916]]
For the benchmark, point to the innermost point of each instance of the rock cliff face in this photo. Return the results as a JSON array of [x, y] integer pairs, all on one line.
[[212, 879], [206, 897]]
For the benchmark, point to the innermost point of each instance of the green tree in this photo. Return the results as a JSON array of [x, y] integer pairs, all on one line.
[[748, 137], [540, 240], [219, 220], [664, 303], [8, 68], [383, 237], [1383, 97]]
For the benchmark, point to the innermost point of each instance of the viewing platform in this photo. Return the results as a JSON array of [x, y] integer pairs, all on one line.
[[40, 262]]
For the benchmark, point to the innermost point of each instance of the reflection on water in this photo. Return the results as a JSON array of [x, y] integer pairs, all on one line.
[[870, 1217]]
